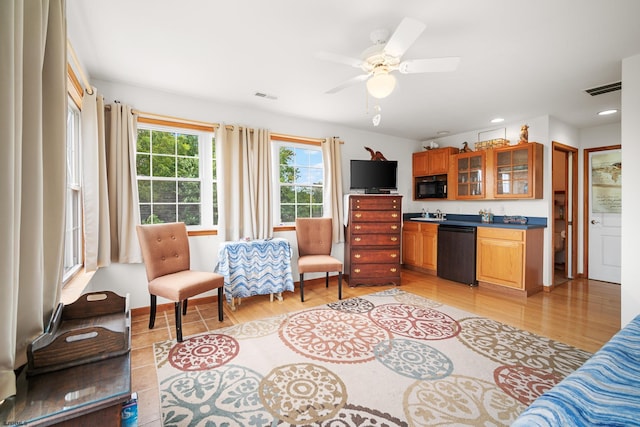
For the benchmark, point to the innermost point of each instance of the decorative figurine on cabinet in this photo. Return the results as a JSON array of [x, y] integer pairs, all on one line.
[[375, 155], [465, 147], [524, 134]]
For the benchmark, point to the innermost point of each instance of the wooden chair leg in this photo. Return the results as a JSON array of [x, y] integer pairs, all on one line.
[[340, 285], [184, 307], [220, 296], [302, 287], [152, 312], [178, 321], [327, 280]]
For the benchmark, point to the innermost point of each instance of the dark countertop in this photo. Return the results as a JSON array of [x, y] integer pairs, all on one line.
[[475, 221]]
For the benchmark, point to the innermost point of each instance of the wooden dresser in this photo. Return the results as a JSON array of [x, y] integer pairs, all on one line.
[[372, 240]]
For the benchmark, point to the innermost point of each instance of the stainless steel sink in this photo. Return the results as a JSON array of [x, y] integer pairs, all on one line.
[[428, 219]]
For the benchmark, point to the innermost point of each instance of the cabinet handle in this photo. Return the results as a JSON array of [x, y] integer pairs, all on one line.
[[358, 227], [356, 270], [357, 239], [394, 239], [393, 255], [394, 215], [393, 270], [394, 227], [358, 215], [357, 256]]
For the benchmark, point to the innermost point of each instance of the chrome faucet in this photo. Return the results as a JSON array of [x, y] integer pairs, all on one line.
[[439, 214]]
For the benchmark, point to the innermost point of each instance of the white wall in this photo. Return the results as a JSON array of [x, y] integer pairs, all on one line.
[[131, 278], [630, 292]]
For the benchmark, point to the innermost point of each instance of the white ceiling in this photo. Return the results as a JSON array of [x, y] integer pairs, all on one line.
[[519, 59]]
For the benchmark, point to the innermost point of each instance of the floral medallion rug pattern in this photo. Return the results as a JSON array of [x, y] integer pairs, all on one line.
[[387, 359]]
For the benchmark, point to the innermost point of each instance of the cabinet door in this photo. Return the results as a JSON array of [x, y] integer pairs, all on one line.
[[518, 171], [421, 163], [438, 162], [500, 262], [429, 244], [410, 247], [470, 175]]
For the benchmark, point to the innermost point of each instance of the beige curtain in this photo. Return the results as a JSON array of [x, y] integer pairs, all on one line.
[[333, 198], [124, 214], [33, 108], [97, 238], [245, 183]]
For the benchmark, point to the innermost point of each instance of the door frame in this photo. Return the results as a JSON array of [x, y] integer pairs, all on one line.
[[572, 200], [586, 180]]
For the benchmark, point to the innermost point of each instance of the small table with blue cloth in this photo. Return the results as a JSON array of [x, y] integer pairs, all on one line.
[[255, 267]]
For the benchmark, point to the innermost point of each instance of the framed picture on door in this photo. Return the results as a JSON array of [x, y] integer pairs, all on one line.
[[606, 182]]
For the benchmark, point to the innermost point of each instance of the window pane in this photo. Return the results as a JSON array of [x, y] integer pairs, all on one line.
[[303, 211], [287, 194], [145, 214], [164, 191], [187, 145], [163, 143], [316, 195], [316, 211], [188, 167], [143, 165], [164, 213], [287, 213], [303, 194], [189, 214], [144, 141], [189, 192], [164, 166], [144, 191]]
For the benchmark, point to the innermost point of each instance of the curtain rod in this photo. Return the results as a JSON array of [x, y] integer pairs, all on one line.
[[83, 76]]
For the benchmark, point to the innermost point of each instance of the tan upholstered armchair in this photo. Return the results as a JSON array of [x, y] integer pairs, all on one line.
[[165, 250], [314, 250]]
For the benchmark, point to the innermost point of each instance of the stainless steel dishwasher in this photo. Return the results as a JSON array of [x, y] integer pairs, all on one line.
[[457, 253]]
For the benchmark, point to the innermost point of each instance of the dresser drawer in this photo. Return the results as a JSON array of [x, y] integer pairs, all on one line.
[[375, 240], [375, 216], [375, 227], [362, 270], [375, 203], [360, 255]]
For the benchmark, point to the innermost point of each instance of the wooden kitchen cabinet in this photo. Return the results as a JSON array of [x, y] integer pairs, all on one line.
[[518, 171], [372, 240], [420, 246], [469, 175], [432, 162], [510, 259]]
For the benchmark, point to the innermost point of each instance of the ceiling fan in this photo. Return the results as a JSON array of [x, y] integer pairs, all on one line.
[[385, 56]]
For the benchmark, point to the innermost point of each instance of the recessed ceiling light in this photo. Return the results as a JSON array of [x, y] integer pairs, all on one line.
[[443, 132], [607, 112], [497, 120]]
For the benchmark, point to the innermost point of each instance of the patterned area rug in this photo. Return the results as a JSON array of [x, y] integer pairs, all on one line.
[[387, 359]]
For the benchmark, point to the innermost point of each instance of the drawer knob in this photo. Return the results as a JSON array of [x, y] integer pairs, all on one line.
[[393, 255], [357, 256], [356, 270], [358, 215], [393, 270], [394, 215], [394, 227], [357, 239], [358, 227], [394, 239]]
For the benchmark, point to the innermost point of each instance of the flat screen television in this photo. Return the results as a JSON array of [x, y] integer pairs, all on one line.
[[374, 176]]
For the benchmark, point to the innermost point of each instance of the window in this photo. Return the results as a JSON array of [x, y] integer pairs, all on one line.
[[73, 212], [300, 184], [175, 182]]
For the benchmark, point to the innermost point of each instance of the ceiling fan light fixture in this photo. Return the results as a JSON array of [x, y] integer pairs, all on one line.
[[381, 84]]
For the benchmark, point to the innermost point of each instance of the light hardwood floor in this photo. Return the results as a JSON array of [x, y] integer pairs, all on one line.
[[581, 313]]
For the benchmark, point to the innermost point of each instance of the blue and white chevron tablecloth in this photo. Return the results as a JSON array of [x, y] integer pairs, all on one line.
[[255, 267]]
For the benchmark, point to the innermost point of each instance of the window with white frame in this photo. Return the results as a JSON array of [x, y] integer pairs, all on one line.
[[300, 182], [176, 171], [73, 211]]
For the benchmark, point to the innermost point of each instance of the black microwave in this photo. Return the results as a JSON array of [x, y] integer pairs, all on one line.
[[431, 187]]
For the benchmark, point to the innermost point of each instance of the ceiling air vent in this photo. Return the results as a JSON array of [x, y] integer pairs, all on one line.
[[611, 87], [265, 95]]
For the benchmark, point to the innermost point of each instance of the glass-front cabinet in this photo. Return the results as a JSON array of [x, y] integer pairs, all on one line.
[[518, 171], [470, 180]]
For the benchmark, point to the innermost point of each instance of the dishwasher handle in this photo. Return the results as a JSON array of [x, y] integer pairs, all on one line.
[[457, 228]]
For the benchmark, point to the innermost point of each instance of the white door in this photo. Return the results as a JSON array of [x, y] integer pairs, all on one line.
[[605, 203]]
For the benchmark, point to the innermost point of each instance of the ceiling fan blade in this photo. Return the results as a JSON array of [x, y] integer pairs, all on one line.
[[350, 82], [404, 36], [340, 59], [431, 65]]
